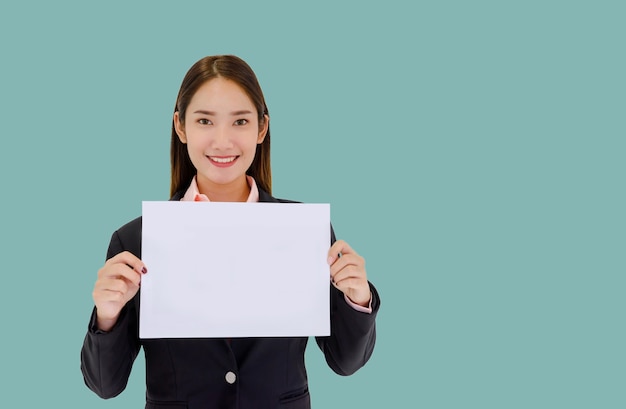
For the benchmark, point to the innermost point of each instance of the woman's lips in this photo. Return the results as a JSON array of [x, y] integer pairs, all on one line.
[[223, 161]]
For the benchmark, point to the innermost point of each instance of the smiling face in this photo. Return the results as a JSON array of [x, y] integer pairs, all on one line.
[[221, 130]]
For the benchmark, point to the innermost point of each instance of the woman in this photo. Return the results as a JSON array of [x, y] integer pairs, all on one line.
[[220, 151]]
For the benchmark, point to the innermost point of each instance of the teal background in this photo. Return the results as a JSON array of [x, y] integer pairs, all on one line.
[[472, 152]]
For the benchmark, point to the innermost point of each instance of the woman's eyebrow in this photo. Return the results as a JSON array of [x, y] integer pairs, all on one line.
[[201, 111], [234, 113], [242, 112]]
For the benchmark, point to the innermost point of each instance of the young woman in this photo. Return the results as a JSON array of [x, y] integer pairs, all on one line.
[[220, 151]]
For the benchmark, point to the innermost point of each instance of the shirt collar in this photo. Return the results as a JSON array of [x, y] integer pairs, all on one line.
[[193, 194]]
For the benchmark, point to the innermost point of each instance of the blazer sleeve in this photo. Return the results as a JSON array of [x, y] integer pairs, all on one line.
[[107, 357], [352, 333]]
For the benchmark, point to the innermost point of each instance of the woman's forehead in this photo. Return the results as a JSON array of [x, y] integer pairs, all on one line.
[[221, 94]]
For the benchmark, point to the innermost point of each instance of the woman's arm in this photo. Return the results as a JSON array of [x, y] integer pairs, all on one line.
[[352, 334], [352, 331], [107, 356]]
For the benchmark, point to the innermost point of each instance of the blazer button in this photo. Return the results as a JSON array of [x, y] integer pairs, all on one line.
[[230, 377]]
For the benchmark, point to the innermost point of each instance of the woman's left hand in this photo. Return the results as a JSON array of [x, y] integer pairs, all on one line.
[[347, 273]]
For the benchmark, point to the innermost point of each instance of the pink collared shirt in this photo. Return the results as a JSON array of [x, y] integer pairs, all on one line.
[[193, 195]]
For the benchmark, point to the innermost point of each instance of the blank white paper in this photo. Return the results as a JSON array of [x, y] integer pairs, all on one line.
[[220, 269]]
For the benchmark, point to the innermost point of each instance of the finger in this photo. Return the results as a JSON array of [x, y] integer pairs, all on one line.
[[349, 271], [350, 283], [120, 270], [120, 285], [129, 259], [116, 291], [349, 260], [357, 290], [337, 250], [107, 296]]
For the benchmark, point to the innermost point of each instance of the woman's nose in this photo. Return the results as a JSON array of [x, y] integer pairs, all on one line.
[[222, 138]]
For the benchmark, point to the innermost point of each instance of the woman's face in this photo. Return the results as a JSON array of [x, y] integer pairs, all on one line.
[[221, 130]]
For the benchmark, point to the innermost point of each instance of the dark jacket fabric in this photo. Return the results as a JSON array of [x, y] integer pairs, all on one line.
[[243, 373]]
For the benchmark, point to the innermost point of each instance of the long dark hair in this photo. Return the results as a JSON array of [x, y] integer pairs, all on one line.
[[235, 69]]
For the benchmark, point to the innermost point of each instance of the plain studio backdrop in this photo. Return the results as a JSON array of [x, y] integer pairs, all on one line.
[[472, 152]]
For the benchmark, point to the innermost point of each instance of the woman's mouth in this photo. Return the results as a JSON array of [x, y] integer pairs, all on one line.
[[223, 161]]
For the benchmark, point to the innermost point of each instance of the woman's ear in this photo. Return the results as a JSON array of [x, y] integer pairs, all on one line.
[[180, 129], [263, 129]]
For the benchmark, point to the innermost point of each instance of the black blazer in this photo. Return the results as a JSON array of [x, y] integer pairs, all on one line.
[[215, 372]]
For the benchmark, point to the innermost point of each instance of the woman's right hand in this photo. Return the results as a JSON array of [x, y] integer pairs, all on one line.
[[118, 282]]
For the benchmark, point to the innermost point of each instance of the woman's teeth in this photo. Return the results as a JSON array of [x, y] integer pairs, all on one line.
[[223, 160]]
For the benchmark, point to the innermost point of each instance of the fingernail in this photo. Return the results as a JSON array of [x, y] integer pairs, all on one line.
[[330, 260], [144, 270]]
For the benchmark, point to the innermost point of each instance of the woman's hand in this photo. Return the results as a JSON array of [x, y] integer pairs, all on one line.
[[347, 273], [118, 282]]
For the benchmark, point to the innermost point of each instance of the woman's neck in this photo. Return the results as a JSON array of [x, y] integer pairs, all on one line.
[[236, 191]]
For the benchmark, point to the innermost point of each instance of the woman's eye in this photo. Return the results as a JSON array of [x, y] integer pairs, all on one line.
[[241, 122], [204, 122]]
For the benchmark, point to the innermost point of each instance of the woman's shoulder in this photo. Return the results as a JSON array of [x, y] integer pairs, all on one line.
[[130, 228], [266, 197], [126, 238], [286, 201]]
